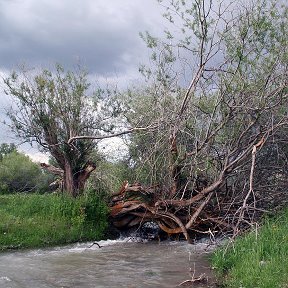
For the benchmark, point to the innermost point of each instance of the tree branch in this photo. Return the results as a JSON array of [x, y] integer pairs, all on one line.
[[131, 130]]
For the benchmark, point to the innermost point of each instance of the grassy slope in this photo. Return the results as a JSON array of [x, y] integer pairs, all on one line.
[[42, 220], [258, 259]]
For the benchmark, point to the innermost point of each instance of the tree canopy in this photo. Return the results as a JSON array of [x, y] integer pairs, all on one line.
[[6, 148], [52, 107]]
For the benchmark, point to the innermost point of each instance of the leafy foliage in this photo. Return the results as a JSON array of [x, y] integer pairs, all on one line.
[[52, 107], [19, 174], [234, 68]]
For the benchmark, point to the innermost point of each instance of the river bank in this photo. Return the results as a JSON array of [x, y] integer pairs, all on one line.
[[258, 258], [33, 220]]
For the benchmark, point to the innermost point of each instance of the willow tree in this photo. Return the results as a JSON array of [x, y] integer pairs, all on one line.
[[52, 107]]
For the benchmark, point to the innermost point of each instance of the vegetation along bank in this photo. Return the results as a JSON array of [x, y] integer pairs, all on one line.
[[257, 259], [34, 220]]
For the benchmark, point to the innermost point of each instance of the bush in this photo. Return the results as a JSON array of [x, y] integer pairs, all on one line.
[[19, 174]]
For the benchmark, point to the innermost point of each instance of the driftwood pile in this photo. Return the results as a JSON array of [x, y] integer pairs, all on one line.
[[133, 205]]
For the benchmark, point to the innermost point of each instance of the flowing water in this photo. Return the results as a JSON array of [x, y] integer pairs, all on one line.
[[118, 263]]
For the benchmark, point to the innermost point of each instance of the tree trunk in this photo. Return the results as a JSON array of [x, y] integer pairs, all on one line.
[[74, 182], [82, 176], [68, 180]]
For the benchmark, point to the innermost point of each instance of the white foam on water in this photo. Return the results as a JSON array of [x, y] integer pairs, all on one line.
[[204, 245], [200, 247], [4, 278], [121, 240], [81, 247]]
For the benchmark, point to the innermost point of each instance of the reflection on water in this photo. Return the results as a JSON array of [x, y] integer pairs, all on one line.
[[116, 264]]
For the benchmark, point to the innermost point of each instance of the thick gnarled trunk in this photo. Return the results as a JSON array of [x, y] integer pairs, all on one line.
[[73, 183]]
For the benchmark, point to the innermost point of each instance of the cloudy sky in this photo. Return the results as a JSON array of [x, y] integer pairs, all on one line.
[[103, 35]]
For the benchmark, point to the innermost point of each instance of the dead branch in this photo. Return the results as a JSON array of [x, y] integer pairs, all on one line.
[[242, 209], [91, 137], [95, 243], [52, 169], [198, 211], [198, 197], [201, 279]]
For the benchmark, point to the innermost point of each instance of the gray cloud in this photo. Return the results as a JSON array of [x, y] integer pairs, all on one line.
[[102, 34]]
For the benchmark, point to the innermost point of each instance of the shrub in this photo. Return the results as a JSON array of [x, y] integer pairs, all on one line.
[[19, 174]]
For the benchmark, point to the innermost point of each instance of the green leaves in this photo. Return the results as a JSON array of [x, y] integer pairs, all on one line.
[[19, 174], [150, 41]]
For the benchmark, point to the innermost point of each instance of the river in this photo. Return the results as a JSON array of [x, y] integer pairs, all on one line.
[[118, 263]]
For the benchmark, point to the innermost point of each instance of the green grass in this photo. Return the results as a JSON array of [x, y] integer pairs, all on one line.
[[33, 220], [257, 259]]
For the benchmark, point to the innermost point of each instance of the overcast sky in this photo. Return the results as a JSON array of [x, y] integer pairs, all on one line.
[[103, 35]]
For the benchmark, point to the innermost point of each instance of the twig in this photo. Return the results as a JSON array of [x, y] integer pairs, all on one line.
[[95, 243], [202, 278]]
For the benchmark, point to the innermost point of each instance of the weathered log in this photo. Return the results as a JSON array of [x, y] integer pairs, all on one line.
[[134, 189], [168, 230], [129, 208], [125, 207], [136, 221]]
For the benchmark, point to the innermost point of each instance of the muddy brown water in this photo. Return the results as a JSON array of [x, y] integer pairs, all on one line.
[[119, 263]]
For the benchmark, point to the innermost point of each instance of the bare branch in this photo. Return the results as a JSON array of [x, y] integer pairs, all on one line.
[[131, 130]]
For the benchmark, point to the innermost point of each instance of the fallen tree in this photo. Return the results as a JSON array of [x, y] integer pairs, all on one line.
[[218, 153], [211, 210]]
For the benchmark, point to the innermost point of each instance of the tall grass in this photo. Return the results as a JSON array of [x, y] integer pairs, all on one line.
[[33, 220], [258, 259]]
